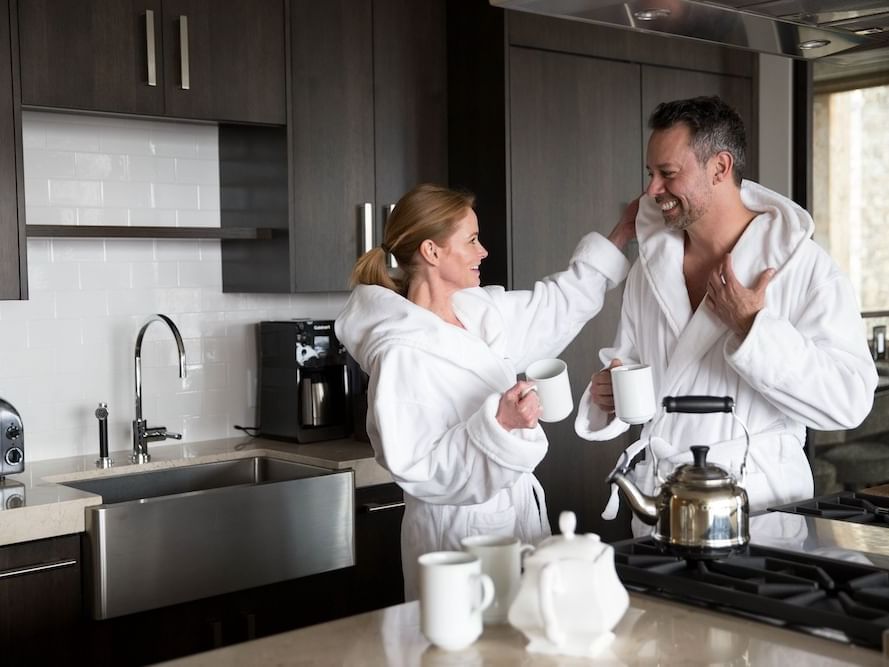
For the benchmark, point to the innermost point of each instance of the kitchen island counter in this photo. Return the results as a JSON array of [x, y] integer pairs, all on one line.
[[652, 632], [37, 506]]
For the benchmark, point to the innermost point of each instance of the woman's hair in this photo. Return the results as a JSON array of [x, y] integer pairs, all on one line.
[[714, 127], [426, 212]]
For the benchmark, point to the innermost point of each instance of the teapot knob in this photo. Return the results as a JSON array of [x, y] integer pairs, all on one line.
[[567, 524]]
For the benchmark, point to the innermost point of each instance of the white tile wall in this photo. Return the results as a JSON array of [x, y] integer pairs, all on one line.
[[71, 345]]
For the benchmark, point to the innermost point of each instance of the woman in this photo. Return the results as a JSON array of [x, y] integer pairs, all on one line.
[[446, 416]]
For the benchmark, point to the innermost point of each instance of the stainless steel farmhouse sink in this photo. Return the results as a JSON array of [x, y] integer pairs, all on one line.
[[168, 536]]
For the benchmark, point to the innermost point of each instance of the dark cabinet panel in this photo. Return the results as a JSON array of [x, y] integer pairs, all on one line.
[[331, 139], [92, 54], [233, 63], [410, 97], [367, 121], [40, 599], [13, 249], [575, 164], [130, 57]]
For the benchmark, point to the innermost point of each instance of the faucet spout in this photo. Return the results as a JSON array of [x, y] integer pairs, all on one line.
[[142, 434]]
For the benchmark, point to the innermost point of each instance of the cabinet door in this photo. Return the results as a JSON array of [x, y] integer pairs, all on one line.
[[576, 161], [91, 54], [40, 600], [224, 60], [13, 249], [410, 98], [331, 139], [663, 84]]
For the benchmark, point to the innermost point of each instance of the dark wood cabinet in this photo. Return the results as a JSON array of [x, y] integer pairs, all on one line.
[[549, 128], [13, 248], [40, 599], [368, 121], [205, 59]]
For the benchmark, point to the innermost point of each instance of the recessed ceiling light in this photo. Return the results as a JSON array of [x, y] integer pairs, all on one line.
[[813, 44], [869, 31], [651, 14]]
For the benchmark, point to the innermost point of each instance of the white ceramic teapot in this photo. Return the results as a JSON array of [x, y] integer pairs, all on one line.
[[570, 597]]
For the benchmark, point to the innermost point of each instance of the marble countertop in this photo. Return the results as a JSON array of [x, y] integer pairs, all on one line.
[[652, 632], [34, 505]]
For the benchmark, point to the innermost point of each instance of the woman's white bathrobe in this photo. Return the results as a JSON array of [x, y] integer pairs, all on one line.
[[435, 388], [805, 361]]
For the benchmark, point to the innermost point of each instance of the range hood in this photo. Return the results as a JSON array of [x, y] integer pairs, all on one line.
[[853, 31]]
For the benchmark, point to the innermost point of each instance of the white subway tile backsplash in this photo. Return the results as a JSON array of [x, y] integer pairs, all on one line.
[[176, 196], [64, 192], [71, 344], [104, 166], [50, 164]]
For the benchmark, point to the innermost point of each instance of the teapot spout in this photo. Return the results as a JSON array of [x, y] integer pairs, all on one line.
[[644, 507]]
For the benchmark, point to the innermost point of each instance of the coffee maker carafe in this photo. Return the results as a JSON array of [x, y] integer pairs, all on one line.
[[305, 382]]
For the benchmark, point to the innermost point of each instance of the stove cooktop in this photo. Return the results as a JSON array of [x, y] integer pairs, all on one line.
[[847, 506], [831, 598]]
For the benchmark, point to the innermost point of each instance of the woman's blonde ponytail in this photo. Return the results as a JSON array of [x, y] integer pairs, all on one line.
[[371, 269]]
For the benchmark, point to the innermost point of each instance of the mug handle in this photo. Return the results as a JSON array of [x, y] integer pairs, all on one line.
[[487, 591], [524, 551]]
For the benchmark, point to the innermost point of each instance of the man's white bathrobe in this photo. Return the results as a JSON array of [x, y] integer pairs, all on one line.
[[435, 388], [804, 363]]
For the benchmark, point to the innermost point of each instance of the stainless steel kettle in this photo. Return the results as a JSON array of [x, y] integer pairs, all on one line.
[[700, 510]]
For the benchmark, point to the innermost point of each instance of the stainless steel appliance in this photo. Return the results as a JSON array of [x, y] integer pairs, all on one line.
[[12, 440], [305, 382]]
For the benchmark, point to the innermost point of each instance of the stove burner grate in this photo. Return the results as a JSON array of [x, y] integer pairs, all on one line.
[[847, 506], [791, 588]]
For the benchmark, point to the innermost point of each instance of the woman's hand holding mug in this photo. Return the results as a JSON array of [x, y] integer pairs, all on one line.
[[601, 390], [519, 407]]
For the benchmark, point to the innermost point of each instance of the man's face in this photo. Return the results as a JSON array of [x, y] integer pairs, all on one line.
[[679, 183]]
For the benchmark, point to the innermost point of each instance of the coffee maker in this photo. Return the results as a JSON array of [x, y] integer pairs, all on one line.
[[305, 382]]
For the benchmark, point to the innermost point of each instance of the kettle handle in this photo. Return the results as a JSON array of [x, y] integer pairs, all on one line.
[[703, 405], [698, 404]]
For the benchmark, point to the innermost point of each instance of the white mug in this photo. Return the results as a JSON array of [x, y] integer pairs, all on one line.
[[501, 559], [453, 595], [550, 377], [633, 389]]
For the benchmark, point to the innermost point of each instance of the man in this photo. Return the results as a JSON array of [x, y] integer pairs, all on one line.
[[731, 297]]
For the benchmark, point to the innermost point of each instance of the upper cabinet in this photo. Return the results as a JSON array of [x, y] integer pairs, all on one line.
[[13, 272], [368, 121], [204, 59]]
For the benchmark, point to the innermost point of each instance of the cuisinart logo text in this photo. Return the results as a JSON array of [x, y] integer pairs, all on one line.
[[321, 327]]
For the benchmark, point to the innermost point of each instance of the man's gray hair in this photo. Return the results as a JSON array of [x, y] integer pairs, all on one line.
[[714, 125]]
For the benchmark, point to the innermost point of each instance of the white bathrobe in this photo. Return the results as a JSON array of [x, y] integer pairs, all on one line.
[[435, 388], [804, 363]]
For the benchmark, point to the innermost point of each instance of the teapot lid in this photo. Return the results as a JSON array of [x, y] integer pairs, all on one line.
[[586, 546], [701, 472]]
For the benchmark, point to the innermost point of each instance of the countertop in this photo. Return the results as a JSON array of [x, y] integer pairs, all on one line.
[[652, 632], [33, 505]]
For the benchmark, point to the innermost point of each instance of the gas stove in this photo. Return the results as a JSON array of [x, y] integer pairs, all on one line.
[[849, 506], [831, 598]]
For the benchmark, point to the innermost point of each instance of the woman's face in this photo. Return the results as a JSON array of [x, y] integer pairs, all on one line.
[[462, 254]]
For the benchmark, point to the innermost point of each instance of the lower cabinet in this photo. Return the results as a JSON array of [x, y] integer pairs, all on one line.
[[40, 601], [202, 625]]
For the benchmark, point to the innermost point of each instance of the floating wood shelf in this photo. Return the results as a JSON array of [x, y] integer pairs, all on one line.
[[109, 231]]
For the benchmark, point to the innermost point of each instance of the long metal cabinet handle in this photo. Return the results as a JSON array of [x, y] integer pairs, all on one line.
[[151, 56], [183, 52], [380, 507], [367, 226], [33, 569], [392, 262]]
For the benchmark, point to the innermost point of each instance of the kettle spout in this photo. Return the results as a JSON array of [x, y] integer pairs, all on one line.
[[644, 507]]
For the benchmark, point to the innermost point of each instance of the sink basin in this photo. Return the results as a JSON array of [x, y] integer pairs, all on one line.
[[168, 536]]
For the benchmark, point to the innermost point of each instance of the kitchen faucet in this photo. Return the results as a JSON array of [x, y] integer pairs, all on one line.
[[143, 434]]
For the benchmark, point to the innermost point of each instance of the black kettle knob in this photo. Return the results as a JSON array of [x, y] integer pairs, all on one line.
[[699, 452]]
